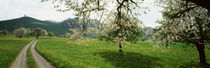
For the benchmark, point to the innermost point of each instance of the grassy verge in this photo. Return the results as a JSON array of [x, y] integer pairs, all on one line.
[[93, 53], [10, 47], [30, 60]]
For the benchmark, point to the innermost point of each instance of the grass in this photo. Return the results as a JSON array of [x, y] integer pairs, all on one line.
[[93, 53], [30, 60], [10, 48]]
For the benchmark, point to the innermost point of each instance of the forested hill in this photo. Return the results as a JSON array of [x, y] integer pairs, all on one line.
[[31, 23], [59, 28]]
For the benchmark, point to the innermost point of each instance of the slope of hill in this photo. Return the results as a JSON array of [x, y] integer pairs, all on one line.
[[31, 23], [59, 28], [148, 33]]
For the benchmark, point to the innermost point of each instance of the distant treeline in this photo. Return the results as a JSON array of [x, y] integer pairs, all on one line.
[[59, 28]]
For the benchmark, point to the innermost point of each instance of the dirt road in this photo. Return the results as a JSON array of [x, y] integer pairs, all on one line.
[[20, 61], [41, 62]]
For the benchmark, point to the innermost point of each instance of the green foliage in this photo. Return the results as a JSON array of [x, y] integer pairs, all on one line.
[[51, 34], [39, 32], [5, 32], [148, 33], [99, 54]]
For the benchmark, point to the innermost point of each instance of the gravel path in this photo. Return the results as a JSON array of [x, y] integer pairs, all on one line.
[[41, 62], [20, 61]]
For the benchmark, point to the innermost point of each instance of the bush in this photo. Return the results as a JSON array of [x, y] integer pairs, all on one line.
[[5, 32]]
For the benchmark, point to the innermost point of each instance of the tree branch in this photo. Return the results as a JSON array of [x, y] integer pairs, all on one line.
[[177, 15], [203, 3], [133, 2]]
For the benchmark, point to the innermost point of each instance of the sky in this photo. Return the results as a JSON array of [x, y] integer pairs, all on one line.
[[10, 9]]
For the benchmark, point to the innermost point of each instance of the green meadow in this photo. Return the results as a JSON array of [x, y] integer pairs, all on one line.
[[30, 60], [105, 34], [10, 48], [93, 53]]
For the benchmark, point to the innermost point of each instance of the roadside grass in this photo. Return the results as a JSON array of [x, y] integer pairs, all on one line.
[[93, 53], [9, 35], [10, 47], [30, 60]]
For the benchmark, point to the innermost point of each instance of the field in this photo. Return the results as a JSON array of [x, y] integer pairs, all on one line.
[[30, 60], [10, 48], [93, 53]]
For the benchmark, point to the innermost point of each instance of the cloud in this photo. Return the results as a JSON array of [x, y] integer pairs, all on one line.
[[35, 8], [153, 15]]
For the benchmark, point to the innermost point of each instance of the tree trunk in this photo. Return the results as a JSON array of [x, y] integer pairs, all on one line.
[[120, 47], [200, 48]]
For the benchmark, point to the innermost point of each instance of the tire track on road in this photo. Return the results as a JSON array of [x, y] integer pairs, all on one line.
[[20, 61], [41, 62]]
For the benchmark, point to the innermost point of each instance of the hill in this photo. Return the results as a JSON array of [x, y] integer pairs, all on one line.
[[31, 23], [59, 28], [148, 33]]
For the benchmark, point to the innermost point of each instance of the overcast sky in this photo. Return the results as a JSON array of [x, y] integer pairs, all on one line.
[[10, 9]]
